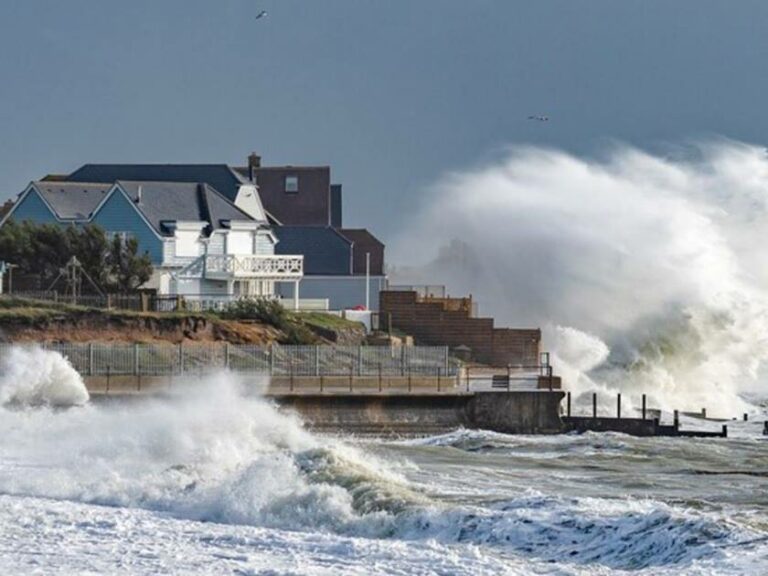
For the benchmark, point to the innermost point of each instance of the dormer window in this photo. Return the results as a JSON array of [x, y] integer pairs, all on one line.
[[291, 184]]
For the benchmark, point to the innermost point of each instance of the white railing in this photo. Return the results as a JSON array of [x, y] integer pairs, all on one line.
[[251, 266]]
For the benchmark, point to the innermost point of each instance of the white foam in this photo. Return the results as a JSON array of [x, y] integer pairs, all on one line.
[[652, 258], [31, 376]]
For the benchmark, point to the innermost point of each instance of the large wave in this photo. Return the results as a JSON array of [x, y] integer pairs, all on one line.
[[31, 376], [646, 272], [214, 452]]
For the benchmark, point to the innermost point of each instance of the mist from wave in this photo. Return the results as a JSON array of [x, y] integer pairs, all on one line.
[[644, 271]]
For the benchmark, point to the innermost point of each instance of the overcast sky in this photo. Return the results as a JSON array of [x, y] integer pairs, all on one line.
[[391, 94]]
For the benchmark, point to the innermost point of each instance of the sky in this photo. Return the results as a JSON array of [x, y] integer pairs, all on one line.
[[391, 94]]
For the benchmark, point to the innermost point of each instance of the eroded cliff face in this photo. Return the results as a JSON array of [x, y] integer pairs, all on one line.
[[90, 326]]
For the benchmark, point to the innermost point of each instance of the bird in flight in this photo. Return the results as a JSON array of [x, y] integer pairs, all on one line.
[[261, 14], [539, 118]]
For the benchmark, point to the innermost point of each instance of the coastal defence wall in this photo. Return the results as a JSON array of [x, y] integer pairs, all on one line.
[[420, 410], [506, 412]]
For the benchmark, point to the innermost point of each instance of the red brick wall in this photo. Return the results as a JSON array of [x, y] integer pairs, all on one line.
[[430, 323]]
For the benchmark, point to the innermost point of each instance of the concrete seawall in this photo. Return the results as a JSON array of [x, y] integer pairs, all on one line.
[[516, 412], [408, 406]]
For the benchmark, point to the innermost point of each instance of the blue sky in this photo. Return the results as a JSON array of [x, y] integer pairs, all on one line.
[[390, 94]]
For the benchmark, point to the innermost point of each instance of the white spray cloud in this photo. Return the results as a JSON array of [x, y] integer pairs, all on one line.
[[656, 260], [33, 376]]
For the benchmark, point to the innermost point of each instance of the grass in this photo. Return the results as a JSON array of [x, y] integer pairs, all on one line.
[[328, 321], [296, 327]]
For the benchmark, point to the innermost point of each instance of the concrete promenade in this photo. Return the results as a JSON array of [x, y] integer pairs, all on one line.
[[390, 405]]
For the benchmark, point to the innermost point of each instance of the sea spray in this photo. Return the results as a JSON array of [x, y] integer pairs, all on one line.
[[655, 259], [31, 376], [213, 452]]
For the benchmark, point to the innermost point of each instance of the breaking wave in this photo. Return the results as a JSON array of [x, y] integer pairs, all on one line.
[[35, 377], [212, 452], [645, 272]]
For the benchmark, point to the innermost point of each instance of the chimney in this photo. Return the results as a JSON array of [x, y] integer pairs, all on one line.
[[254, 161], [138, 196]]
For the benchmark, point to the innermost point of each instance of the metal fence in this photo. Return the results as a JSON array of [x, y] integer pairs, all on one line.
[[166, 359]]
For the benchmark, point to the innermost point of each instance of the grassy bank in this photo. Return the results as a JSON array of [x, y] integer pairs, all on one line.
[[35, 320]]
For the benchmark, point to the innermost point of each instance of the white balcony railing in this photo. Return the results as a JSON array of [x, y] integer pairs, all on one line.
[[233, 266]]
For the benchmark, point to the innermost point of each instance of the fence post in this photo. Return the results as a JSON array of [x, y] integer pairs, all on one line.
[[135, 359], [439, 370], [467, 373], [317, 360], [410, 384], [291, 373], [509, 377], [359, 360], [109, 373], [271, 359], [181, 358], [568, 405], [402, 360], [351, 372], [676, 419], [594, 404], [618, 406], [643, 406], [90, 359], [379, 376], [226, 355]]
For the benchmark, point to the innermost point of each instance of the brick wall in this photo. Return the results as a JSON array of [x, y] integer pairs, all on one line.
[[433, 323]]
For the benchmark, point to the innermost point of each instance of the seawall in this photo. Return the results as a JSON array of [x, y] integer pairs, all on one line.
[[399, 410]]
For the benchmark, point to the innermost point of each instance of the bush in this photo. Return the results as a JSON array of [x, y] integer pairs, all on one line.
[[270, 312], [262, 309]]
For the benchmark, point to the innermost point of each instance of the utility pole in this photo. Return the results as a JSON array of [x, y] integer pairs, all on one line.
[[367, 280]]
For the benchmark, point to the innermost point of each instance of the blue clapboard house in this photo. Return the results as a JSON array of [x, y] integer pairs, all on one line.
[[219, 232]]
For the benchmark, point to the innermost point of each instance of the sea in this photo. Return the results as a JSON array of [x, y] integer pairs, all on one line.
[[213, 479]]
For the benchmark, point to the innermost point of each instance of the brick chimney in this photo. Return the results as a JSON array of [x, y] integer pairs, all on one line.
[[254, 161]]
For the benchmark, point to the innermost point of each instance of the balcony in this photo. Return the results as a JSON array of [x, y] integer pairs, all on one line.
[[251, 267]]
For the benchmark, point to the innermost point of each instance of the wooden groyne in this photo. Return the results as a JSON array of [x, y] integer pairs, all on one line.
[[643, 426]]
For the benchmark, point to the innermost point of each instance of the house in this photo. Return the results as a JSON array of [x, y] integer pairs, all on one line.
[[332, 266], [299, 205], [202, 245]]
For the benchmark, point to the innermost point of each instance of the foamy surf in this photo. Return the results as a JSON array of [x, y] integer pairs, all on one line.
[[241, 480], [31, 376]]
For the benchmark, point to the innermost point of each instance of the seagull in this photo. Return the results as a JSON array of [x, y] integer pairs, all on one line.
[[261, 14], [539, 118]]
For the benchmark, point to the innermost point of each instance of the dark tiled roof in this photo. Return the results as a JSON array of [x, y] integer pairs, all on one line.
[[181, 201], [220, 176], [364, 243], [361, 235], [73, 201], [326, 252]]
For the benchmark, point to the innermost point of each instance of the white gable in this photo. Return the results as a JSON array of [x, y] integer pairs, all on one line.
[[249, 202]]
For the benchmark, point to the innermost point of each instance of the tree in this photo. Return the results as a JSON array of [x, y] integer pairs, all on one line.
[[44, 249], [127, 270]]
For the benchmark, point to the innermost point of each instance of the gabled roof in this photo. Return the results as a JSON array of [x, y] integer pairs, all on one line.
[[219, 176], [72, 201], [326, 252], [182, 201]]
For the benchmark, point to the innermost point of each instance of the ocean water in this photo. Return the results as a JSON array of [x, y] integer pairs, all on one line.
[[215, 480]]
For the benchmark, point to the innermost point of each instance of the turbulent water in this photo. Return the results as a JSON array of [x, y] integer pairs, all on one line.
[[217, 481]]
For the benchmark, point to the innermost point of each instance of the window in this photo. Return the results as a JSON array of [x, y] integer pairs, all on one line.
[[292, 184]]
